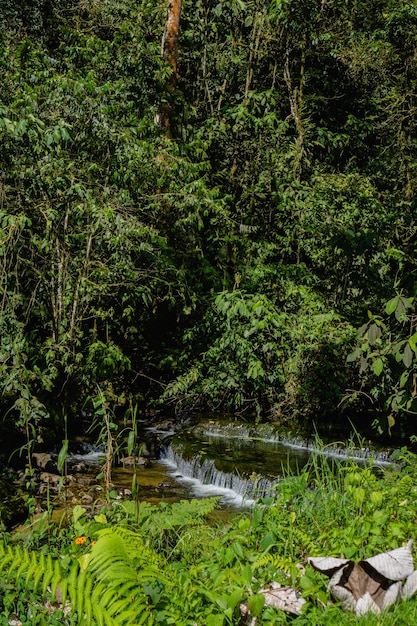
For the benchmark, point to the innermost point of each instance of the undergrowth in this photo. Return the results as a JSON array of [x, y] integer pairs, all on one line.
[[136, 563]]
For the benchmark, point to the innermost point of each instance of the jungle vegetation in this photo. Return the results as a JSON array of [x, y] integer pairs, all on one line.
[[202, 218], [206, 205], [130, 562]]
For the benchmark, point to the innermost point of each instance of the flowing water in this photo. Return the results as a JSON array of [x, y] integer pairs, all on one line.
[[240, 470], [237, 462], [234, 461]]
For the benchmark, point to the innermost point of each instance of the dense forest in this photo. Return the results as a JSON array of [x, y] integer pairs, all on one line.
[[210, 214]]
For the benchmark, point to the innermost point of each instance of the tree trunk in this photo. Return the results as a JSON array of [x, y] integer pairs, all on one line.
[[169, 55], [296, 97]]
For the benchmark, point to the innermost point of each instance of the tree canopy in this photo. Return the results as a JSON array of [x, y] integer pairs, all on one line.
[[228, 265]]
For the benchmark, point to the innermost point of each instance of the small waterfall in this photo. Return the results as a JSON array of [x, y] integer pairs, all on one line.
[[244, 433], [244, 463], [208, 480]]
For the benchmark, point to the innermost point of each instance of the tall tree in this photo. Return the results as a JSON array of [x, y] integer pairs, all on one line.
[[169, 55]]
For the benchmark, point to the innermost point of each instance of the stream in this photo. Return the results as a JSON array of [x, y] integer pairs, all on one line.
[[237, 462]]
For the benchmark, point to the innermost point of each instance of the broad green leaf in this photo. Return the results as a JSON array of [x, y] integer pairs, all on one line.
[[359, 495], [306, 583], [353, 355], [363, 365], [362, 330], [238, 550], [256, 604], [267, 541], [413, 342], [62, 456], [222, 602], [247, 574], [377, 498], [407, 302], [77, 512], [84, 560], [400, 311], [404, 378], [408, 355], [379, 517], [391, 306], [234, 598], [214, 620], [374, 332], [378, 366], [130, 442]]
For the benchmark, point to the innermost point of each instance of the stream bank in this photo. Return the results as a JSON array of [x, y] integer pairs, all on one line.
[[236, 461]]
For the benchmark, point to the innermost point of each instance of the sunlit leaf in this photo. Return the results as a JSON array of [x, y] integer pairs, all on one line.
[[391, 306], [378, 366], [413, 342], [256, 604], [62, 456], [77, 512]]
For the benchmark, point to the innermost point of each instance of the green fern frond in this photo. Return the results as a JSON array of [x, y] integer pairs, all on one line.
[[120, 555], [105, 589], [192, 511], [162, 526], [277, 561]]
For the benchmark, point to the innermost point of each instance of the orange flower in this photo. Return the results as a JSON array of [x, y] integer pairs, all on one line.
[[80, 540], [93, 543]]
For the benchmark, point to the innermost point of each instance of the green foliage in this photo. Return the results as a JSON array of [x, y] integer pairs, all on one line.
[[264, 352], [137, 563], [97, 587], [386, 354], [126, 258], [171, 529]]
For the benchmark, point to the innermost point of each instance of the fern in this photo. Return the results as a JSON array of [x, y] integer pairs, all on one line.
[[278, 562], [105, 587], [163, 526]]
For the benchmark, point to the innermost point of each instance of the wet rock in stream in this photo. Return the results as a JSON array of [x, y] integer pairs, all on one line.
[[135, 461]]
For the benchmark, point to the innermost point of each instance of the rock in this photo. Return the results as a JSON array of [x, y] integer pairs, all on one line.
[[47, 477], [286, 599], [373, 584], [138, 461], [81, 480], [79, 467], [44, 460]]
